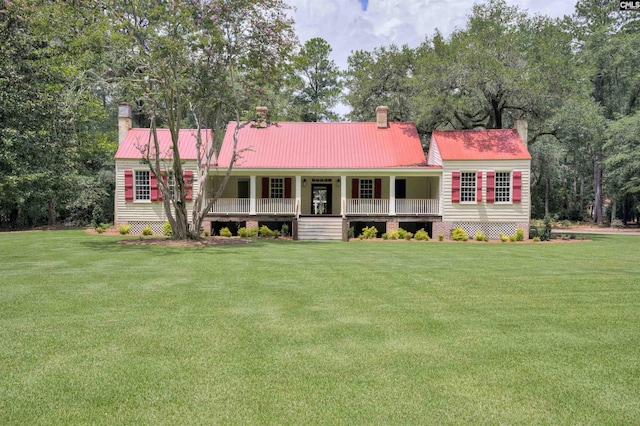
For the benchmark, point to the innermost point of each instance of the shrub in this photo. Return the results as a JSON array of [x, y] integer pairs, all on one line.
[[519, 234], [207, 233], [481, 236], [385, 236], [225, 232], [617, 223], [459, 234], [284, 231], [440, 237], [393, 235], [368, 233], [536, 239], [124, 229], [243, 232], [167, 230], [512, 238], [147, 230], [421, 235], [266, 232], [504, 238], [99, 229], [96, 217], [545, 232], [404, 235]]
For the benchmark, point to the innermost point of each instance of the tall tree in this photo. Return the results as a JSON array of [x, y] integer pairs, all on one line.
[[381, 77], [606, 43], [45, 112], [503, 65], [202, 63], [317, 85]]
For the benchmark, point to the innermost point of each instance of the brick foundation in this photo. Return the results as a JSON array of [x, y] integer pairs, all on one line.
[[443, 228], [392, 226], [252, 224]]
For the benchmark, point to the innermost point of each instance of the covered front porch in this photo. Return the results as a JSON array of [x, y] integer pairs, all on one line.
[[325, 195]]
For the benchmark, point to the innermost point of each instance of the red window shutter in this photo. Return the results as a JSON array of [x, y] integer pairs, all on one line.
[[455, 187], [491, 183], [479, 187], [153, 180], [517, 187], [188, 184], [265, 187], [355, 188], [164, 179], [287, 187], [128, 185], [377, 188]]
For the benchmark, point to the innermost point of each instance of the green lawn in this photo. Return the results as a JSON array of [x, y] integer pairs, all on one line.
[[279, 332]]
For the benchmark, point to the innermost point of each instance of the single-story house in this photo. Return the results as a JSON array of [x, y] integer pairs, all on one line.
[[323, 178]]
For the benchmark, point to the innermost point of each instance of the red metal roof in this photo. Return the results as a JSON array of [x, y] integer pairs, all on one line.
[[137, 140], [495, 144], [293, 145]]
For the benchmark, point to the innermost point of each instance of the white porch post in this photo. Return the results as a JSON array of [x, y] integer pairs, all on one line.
[[252, 195], [392, 195], [343, 196], [298, 195]]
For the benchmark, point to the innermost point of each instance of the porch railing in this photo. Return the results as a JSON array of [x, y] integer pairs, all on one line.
[[417, 206], [231, 205], [368, 206], [352, 206], [275, 206]]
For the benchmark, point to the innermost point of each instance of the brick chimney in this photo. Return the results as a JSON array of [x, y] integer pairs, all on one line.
[[124, 120], [381, 117], [522, 126], [261, 116]]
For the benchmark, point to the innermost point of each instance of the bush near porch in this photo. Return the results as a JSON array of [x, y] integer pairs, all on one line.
[[301, 332]]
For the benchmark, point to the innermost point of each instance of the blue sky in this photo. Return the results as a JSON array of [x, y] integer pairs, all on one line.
[[364, 4]]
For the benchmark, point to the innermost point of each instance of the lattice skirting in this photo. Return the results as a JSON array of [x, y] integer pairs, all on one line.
[[491, 229], [136, 227]]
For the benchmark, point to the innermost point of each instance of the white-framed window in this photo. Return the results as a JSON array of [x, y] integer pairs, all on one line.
[[171, 183], [468, 187], [366, 188], [142, 186], [277, 188], [503, 187]]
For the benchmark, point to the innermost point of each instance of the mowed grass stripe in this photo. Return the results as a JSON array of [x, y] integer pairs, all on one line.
[[94, 331]]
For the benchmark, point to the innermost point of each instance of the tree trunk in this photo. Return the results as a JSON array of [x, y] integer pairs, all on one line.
[[582, 198], [597, 188], [547, 189], [613, 210], [52, 212], [181, 230]]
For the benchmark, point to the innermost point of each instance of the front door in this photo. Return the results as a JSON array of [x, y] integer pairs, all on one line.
[[321, 199]]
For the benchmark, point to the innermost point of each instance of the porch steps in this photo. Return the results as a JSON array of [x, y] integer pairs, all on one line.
[[320, 228]]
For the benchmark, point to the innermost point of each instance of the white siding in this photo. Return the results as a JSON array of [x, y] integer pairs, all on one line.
[[483, 211], [434, 158], [131, 211]]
